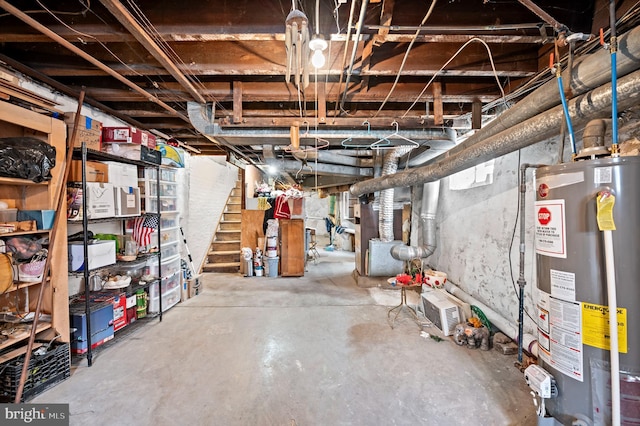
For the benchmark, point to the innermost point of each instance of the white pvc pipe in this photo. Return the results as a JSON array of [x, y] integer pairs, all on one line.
[[528, 341], [613, 328]]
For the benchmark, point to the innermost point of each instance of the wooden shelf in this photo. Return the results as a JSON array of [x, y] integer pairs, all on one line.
[[20, 285], [23, 335], [20, 182], [37, 231]]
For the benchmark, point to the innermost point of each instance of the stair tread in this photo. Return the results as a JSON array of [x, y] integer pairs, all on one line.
[[228, 231], [225, 242], [222, 265], [230, 221], [223, 252]]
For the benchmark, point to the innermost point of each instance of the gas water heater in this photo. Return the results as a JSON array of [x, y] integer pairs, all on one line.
[[572, 306]]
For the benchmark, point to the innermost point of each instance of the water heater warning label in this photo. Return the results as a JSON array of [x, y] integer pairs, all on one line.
[[550, 235], [595, 327]]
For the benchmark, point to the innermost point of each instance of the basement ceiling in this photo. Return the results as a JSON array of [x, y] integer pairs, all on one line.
[[393, 70]]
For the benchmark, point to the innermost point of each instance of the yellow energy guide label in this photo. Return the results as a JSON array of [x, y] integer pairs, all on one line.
[[595, 327]]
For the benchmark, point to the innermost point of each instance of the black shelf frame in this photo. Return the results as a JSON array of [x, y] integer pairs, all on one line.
[[85, 155]]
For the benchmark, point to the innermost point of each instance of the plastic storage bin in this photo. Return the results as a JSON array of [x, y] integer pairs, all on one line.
[[170, 293], [167, 175], [169, 250], [169, 267], [169, 220]]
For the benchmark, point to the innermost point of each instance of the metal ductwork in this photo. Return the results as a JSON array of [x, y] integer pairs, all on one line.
[[295, 167], [389, 167], [593, 143], [585, 75], [331, 157], [428, 210], [582, 109]]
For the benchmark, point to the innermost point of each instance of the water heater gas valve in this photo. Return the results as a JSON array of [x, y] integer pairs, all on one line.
[[540, 381]]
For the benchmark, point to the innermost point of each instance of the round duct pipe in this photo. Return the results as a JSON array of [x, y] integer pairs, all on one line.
[[536, 129]]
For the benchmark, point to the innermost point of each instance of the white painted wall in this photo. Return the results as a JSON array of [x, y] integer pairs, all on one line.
[[209, 181], [475, 228]]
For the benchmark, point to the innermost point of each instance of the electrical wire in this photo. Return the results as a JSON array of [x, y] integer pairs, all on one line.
[[344, 56], [493, 67], [151, 30], [81, 34], [58, 12], [406, 55], [513, 236]]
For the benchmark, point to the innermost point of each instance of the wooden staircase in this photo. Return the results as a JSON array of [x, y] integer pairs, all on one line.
[[224, 252]]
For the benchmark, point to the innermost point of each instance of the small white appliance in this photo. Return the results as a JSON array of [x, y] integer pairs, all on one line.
[[443, 313]]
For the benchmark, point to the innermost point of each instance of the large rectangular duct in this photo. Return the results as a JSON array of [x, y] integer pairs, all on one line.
[[381, 264]]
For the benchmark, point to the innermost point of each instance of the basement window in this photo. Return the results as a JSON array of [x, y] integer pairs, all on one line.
[[473, 177]]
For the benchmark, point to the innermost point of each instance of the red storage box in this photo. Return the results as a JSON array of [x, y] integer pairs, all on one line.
[[128, 135]]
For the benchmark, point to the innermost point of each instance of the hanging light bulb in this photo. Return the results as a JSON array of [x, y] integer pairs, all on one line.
[[317, 59], [318, 44]]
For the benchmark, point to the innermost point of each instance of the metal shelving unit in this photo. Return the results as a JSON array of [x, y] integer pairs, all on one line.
[[84, 155]]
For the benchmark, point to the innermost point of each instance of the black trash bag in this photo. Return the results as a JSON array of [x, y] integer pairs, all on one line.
[[26, 158]]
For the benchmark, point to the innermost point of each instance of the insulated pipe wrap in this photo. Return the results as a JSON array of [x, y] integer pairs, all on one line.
[[389, 167], [586, 75], [536, 129]]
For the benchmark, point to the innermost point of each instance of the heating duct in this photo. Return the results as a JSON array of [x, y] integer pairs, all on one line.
[[428, 208], [389, 167], [541, 127]]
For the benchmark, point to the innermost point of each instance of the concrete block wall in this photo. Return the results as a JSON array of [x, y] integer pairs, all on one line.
[[209, 180], [475, 227]]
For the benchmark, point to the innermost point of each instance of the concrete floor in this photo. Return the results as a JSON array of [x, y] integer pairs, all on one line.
[[315, 350]]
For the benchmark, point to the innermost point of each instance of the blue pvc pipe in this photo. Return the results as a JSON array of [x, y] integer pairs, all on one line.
[[565, 108], [614, 99]]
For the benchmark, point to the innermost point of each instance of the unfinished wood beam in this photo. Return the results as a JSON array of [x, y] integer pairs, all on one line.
[[124, 17], [237, 102], [476, 114], [367, 52], [438, 118], [44, 30]]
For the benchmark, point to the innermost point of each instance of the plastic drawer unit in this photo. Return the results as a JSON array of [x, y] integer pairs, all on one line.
[[170, 293]]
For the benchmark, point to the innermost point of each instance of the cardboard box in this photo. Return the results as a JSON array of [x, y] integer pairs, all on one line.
[[121, 174], [119, 311], [89, 131], [127, 201], [100, 201], [131, 315], [131, 302], [101, 253], [96, 172], [101, 326], [129, 135], [44, 218], [134, 152], [195, 286]]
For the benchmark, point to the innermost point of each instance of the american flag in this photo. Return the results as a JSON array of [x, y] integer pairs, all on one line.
[[143, 227]]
